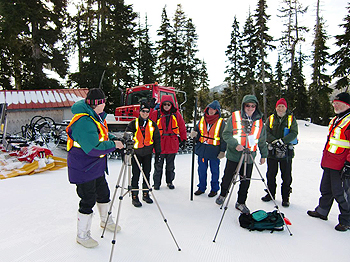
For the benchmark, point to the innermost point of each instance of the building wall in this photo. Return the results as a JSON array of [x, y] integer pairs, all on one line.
[[18, 118]]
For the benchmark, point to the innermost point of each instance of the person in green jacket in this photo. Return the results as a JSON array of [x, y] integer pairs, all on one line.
[[244, 130], [281, 134]]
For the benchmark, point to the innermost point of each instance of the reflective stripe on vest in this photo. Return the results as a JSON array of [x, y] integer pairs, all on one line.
[[272, 117], [337, 141], [173, 123], [141, 141], [213, 137], [102, 128], [240, 135]]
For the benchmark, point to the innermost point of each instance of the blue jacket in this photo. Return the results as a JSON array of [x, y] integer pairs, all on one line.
[[210, 151]]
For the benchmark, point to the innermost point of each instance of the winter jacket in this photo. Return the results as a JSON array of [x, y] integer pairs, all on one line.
[[207, 151], [234, 155], [85, 163], [146, 150], [331, 160], [169, 139], [279, 125]]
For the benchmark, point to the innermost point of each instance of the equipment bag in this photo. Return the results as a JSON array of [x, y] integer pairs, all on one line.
[[261, 220]]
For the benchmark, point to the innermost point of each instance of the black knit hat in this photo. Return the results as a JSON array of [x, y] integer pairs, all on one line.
[[343, 97], [95, 96], [145, 104]]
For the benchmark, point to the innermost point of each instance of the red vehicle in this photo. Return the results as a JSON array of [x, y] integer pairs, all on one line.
[[132, 98]]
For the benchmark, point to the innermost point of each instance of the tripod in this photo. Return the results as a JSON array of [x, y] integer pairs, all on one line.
[[125, 172], [246, 154]]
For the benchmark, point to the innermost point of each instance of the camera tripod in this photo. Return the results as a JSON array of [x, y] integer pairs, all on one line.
[[125, 173], [246, 154]]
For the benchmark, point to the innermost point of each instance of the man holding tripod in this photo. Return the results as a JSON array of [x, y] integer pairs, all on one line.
[[244, 131]]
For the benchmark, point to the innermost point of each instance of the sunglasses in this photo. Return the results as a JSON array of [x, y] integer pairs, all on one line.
[[145, 111], [167, 104], [252, 106]]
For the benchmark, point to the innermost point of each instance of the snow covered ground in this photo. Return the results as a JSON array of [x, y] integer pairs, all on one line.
[[38, 219]]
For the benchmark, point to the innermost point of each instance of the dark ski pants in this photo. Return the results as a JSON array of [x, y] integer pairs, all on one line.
[[230, 170], [331, 188], [91, 192], [202, 173], [286, 174], [169, 169], [145, 162]]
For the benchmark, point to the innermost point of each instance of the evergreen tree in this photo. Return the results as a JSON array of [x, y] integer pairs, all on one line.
[[341, 58], [319, 90], [192, 71], [296, 95], [250, 59], [230, 98], [164, 48], [203, 93], [146, 57], [293, 33], [106, 41], [263, 43], [30, 36]]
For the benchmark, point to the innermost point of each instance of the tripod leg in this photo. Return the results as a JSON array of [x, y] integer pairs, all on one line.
[[268, 191], [113, 198], [155, 200], [127, 161], [231, 186], [234, 178]]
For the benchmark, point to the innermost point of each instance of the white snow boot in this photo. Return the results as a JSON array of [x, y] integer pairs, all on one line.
[[83, 236], [103, 209]]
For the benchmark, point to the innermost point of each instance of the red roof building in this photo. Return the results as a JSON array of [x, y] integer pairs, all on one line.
[[46, 98]]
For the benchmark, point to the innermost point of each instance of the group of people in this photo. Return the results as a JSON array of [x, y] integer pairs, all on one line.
[[163, 131]]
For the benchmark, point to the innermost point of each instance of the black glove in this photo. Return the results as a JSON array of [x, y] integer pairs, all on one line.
[[345, 172], [281, 151], [182, 144]]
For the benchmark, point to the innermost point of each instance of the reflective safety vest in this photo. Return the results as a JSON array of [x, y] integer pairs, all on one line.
[[141, 141], [337, 141], [213, 137], [102, 130], [272, 117], [173, 123], [239, 134]]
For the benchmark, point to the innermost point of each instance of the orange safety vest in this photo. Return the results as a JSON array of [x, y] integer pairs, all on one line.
[[240, 135], [102, 128], [173, 123], [213, 137], [141, 141], [337, 141]]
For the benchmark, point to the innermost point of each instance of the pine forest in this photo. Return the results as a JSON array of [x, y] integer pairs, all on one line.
[[111, 40]]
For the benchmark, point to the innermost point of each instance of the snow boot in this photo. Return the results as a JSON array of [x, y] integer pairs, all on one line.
[[220, 200], [103, 209], [198, 192], [212, 194], [243, 208], [146, 198], [342, 228], [266, 198], [135, 201], [83, 235]]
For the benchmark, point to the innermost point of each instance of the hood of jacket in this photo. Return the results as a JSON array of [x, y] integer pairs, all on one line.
[[168, 98], [214, 105], [251, 99]]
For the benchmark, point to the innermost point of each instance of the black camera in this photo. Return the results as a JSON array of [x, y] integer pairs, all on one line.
[[247, 125]]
